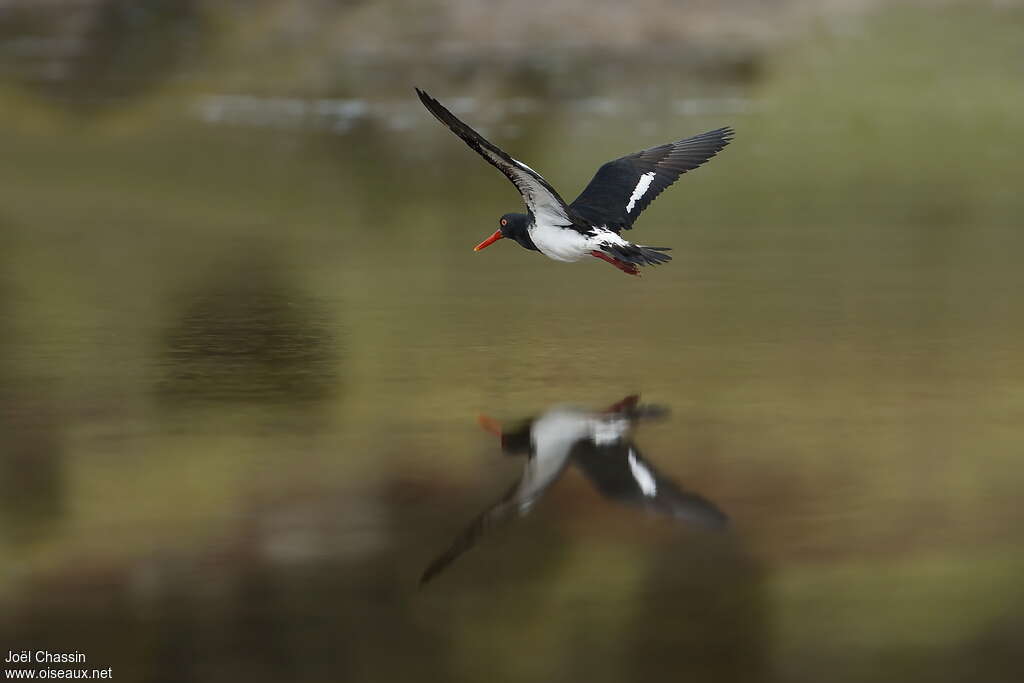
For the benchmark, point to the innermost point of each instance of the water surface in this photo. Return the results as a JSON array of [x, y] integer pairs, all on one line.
[[244, 345]]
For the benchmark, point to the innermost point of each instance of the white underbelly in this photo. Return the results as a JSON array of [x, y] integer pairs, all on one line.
[[566, 244], [560, 244]]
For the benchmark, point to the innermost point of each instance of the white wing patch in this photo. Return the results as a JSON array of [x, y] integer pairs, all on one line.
[[641, 187], [643, 476]]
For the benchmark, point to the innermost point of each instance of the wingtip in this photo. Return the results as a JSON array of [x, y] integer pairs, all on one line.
[[431, 572], [721, 136], [725, 133], [433, 106], [425, 97]]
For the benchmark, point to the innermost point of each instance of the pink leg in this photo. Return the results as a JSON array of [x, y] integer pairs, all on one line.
[[625, 404], [628, 268]]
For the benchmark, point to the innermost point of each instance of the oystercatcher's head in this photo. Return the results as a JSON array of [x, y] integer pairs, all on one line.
[[513, 226]]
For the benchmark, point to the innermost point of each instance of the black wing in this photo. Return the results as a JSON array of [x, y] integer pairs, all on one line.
[[619, 472], [503, 511], [540, 198], [623, 188], [542, 469]]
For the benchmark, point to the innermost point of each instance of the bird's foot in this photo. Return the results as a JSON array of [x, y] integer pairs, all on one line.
[[627, 268]]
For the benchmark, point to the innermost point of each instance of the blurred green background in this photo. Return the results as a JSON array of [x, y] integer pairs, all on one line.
[[244, 339]]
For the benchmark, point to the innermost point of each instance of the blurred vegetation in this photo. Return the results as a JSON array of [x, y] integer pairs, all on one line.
[[838, 339], [83, 50]]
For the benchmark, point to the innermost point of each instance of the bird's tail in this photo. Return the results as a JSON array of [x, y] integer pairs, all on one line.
[[639, 254]]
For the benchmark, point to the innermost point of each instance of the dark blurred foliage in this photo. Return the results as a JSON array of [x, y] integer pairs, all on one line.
[[96, 53], [703, 610], [32, 478], [284, 598], [246, 334], [251, 606]]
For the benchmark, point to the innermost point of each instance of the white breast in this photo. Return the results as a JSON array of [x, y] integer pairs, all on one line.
[[560, 244], [566, 244]]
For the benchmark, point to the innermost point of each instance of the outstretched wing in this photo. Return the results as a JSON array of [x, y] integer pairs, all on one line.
[[542, 469], [619, 472], [623, 188], [503, 511], [540, 198]]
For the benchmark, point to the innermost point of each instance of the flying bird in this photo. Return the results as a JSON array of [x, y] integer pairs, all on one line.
[[600, 444], [592, 223]]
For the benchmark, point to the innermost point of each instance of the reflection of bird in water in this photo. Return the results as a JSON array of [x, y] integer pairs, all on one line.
[[599, 443], [591, 224]]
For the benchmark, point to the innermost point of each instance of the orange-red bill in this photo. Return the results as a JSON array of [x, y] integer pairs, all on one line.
[[489, 241], [490, 424]]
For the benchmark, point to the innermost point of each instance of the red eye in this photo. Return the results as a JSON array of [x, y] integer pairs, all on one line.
[[504, 222]]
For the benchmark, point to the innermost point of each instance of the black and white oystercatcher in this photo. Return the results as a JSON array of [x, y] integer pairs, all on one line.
[[591, 224], [601, 445]]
